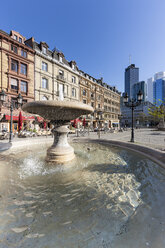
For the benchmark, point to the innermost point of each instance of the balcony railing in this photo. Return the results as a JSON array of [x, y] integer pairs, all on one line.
[[61, 77], [57, 92]]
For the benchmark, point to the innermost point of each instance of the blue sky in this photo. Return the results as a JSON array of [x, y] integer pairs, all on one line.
[[98, 34]]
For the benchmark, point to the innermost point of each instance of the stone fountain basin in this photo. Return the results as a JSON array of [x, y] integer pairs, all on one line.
[[58, 110]]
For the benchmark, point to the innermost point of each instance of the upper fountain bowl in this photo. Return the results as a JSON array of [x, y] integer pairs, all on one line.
[[58, 110]]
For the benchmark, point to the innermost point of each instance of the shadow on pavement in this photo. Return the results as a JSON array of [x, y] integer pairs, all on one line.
[[4, 146]]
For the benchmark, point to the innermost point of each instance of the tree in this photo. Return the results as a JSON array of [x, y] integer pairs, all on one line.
[[158, 111]]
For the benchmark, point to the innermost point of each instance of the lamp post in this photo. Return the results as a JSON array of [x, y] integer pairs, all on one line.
[[132, 104], [11, 106], [99, 122], [120, 116]]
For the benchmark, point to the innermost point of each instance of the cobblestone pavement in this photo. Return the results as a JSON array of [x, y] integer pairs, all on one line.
[[148, 137]]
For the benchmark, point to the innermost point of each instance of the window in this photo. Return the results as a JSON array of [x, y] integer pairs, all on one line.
[[15, 37], [84, 101], [23, 69], [44, 66], [24, 86], [73, 92], [44, 50], [92, 104], [99, 106], [84, 92], [67, 90], [14, 49], [73, 67], [20, 39], [60, 59], [61, 72], [44, 98], [92, 95], [44, 83], [14, 65], [14, 84], [23, 53], [73, 79]]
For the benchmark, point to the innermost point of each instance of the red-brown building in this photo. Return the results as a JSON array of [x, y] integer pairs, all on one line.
[[16, 71]]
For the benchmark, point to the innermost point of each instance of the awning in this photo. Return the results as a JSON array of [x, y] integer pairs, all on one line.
[[40, 119], [77, 120], [15, 118]]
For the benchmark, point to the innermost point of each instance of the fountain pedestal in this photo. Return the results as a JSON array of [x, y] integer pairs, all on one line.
[[59, 112], [60, 151]]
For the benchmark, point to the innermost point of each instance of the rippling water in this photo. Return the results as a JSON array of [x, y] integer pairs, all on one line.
[[107, 197]]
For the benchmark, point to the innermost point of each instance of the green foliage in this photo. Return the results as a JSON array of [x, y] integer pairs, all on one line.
[[158, 111]]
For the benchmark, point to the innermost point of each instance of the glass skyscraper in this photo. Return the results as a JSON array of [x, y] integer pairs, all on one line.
[[131, 77], [159, 91], [142, 87]]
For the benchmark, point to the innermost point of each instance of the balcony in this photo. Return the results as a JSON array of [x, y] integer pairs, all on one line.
[[99, 109], [61, 78], [58, 93]]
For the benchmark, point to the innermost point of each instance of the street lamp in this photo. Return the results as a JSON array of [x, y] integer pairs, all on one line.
[[132, 104], [120, 116], [99, 113], [11, 106]]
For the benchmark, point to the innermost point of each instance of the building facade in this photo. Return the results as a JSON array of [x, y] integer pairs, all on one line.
[[103, 98], [156, 88], [38, 73], [159, 91], [131, 77], [140, 86], [16, 69], [150, 90], [55, 77], [140, 112]]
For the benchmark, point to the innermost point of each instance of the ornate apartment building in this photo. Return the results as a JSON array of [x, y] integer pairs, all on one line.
[[103, 98], [55, 77], [38, 73], [16, 68]]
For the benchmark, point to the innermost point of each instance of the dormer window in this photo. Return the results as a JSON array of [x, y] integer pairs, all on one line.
[[20, 40], [44, 50], [60, 59], [15, 37], [73, 66]]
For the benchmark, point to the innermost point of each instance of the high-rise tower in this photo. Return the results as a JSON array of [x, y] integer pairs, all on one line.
[[131, 77]]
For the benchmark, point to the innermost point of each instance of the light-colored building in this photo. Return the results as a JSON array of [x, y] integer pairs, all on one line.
[[150, 97], [55, 77]]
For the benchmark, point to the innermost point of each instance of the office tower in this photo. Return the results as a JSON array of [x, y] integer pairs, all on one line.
[[140, 86], [131, 77], [159, 75], [150, 90], [159, 88]]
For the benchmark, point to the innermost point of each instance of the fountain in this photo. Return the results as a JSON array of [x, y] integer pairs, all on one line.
[[60, 113], [112, 197]]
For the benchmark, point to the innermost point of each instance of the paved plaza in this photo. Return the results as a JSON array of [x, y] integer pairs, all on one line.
[[146, 137]]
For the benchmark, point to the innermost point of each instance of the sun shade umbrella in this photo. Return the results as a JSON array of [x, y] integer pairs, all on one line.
[[20, 121], [84, 122]]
